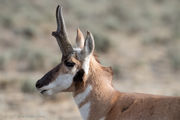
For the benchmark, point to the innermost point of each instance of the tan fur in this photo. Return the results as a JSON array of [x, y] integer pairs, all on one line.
[[135, 106], [114, 105]]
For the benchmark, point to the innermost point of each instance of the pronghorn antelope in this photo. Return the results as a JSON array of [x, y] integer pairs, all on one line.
[[82, 74]]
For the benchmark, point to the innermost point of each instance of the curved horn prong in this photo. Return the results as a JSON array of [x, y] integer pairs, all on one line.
[[60, 34]]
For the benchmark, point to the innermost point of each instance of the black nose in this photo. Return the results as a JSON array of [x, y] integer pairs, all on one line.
[[39, 84]]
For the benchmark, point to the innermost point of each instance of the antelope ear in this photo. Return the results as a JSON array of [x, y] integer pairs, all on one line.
[[88, 45], [79, 39]]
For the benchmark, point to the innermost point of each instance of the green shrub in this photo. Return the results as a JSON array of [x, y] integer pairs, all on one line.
[[116, 71], [174, 56], [102, 43], [28, 33], [36, 61], [4, 84], [31, 59], [2, 63], [7, 22], [28, 86], [21, 53], [112, 23], [155, 40]]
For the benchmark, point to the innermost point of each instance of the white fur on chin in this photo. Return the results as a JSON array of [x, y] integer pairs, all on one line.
[[61, 83]]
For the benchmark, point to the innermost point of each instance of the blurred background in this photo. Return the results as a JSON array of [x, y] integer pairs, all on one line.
[[140, 39]]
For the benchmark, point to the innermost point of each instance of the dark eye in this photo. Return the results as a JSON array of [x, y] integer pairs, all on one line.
[[69, 64]]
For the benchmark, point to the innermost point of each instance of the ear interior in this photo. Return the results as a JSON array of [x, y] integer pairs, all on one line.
[[78, 79], [88, 45]]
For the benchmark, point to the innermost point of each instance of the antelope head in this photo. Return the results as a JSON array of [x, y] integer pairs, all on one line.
[[74, 64]]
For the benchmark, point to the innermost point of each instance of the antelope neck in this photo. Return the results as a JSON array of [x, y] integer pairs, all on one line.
[[95, 100]]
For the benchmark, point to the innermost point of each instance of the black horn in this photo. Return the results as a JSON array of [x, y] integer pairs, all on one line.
[[61, 35]]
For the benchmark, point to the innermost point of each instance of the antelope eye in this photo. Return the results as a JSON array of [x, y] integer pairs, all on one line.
[[69, 64]]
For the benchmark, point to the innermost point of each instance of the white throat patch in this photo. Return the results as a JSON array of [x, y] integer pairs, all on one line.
[[82, 96], [84, 110]]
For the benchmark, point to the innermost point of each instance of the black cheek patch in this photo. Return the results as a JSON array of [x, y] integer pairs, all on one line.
[[78, 79]]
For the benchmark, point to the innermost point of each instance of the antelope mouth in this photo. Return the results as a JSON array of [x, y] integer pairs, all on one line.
[[43, 91]]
